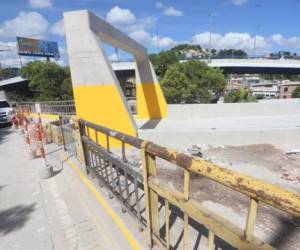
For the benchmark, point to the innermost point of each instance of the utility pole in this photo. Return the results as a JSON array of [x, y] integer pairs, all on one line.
[[117, 54], [254, 43], [3, 49], [157, 40], [210, 15]]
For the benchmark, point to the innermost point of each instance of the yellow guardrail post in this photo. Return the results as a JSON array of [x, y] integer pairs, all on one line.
[[251, 219], [151, 198], [186, 187]]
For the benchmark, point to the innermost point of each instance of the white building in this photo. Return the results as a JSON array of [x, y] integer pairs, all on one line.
[[266, 89]]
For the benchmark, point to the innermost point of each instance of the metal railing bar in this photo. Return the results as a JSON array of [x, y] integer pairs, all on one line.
[[250, 186], [223, 228], [133, 141], [112, 158]]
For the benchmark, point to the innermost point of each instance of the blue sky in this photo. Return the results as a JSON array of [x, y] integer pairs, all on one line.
[[233, 23]]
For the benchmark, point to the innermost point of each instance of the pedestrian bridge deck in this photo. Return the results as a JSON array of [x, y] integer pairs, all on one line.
[[61, 212]]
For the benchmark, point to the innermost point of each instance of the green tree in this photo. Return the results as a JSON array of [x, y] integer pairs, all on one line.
[[162, 60], [48, 80], [232, 53], [192, 82], [239, 95], [181, 48], [8, 73], [296, 92]]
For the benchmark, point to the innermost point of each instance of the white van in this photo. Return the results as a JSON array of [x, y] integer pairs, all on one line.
[[6, 112]]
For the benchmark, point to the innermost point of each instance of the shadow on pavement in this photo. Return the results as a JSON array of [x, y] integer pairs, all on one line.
[[288, 231], [200, 230], [2, 186], [5, 130], [14, 218]]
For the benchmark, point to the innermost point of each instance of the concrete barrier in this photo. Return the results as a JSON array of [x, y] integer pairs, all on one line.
[[274, 122], [188, 111], [285, 139]]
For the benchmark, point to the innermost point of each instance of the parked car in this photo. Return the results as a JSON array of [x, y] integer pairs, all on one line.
[[6, 112]]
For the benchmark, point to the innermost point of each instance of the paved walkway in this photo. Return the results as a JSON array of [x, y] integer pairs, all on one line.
[[56, 213]]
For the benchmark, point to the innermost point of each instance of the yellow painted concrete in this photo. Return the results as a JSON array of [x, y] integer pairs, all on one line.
[[103, 105], [45, 116], [151, 102]]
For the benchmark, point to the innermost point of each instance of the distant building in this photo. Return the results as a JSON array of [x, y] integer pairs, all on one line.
[[234, 86], [192, 54], [286, 89], [245, 80], [265, 90]]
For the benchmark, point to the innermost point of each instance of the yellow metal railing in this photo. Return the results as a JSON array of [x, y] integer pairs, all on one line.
[[256, 190]]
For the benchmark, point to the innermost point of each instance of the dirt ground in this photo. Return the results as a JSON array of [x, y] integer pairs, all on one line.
[[262, 161]]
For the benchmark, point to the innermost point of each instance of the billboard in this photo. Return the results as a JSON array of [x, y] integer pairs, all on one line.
[[34, 47]]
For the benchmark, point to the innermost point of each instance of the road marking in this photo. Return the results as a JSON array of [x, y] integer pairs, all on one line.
[[100, 199]]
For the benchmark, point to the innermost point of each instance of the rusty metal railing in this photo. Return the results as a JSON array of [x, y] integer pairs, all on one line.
[[122, 179], [114, 171], [256, 190]]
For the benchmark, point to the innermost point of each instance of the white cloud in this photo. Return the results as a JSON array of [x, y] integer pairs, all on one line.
[[120, 16], [171, 11], [141, 36], [159, 5], [163, 42], [141, 24], [39, 4], [136, 28], [145, 38], [291, 42], [9, 57], [63, 60], [58, 28], [28, 24], [238, 2], [231, 40]]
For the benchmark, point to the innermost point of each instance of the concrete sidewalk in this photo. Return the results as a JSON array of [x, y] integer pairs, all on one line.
[[56, 213]]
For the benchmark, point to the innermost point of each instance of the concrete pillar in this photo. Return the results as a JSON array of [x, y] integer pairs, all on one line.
[[151, 103], [97, 92]]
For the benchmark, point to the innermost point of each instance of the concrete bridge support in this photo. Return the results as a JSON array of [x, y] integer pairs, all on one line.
[[97, 92]]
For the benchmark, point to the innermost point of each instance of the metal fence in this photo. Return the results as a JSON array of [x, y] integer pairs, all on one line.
[[144, 195], [58, 107], [122, 178], [51, 107], [27, 106], [68, 134]]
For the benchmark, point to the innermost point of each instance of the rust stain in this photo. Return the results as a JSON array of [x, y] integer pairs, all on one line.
[[239, 180], [225, 177], [184, 160], [180, 159]]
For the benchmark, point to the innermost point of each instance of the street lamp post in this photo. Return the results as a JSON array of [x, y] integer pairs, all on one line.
[[210, 27], [254, 43]]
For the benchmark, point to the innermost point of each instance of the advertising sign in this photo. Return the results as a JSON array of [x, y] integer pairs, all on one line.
[[34, 47]]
